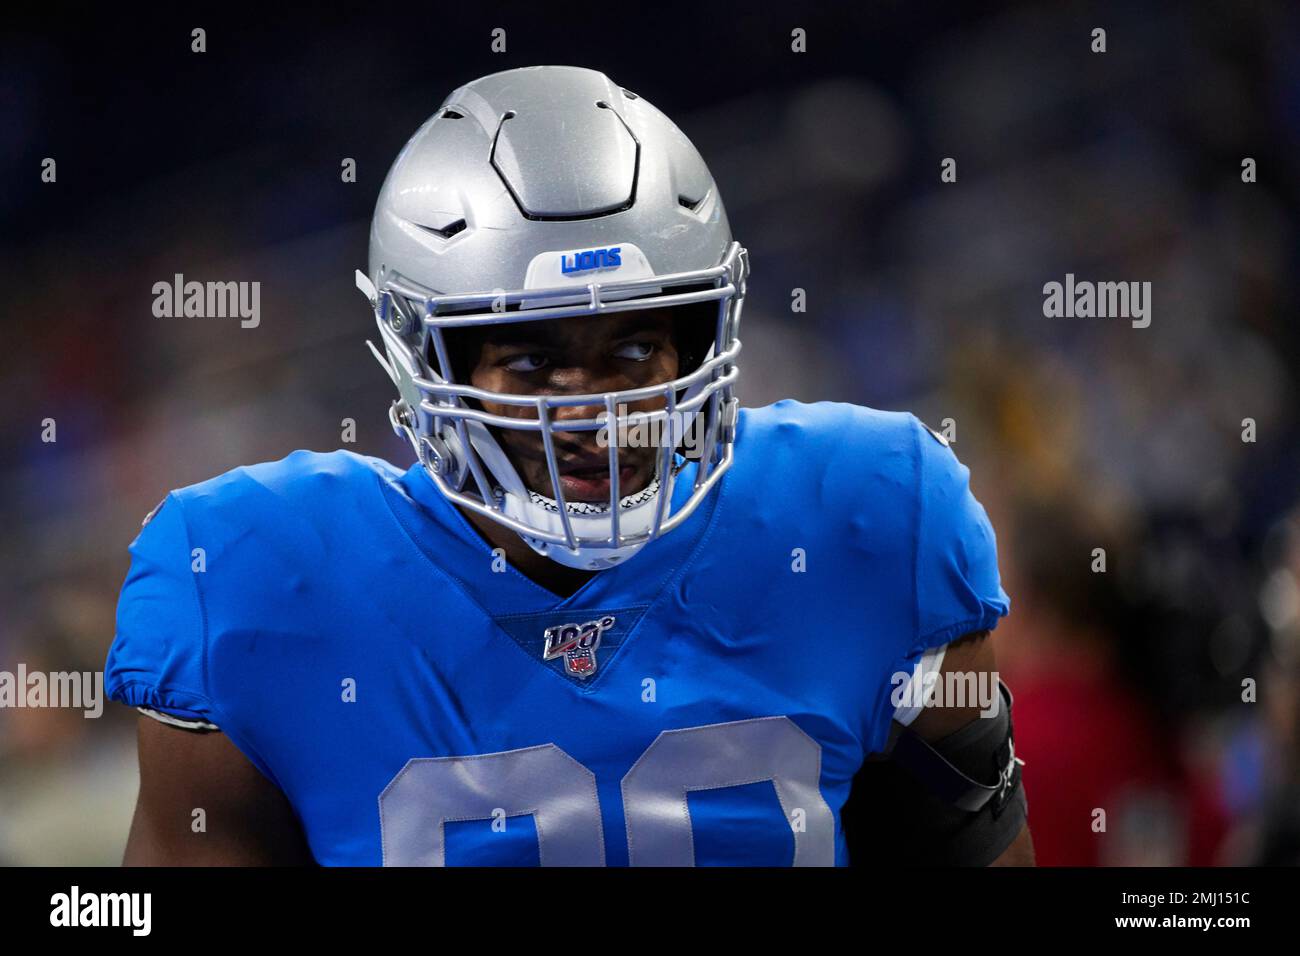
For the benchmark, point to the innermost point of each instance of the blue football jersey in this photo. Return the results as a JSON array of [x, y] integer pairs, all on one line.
[[420, 702]]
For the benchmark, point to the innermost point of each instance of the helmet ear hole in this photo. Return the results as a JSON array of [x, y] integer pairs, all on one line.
[[464, 346], [694, 328]]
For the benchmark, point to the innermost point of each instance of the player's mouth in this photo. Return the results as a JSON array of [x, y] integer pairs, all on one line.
[[590, 482]]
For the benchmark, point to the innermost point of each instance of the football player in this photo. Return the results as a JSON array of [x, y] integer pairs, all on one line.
[[607, 617]]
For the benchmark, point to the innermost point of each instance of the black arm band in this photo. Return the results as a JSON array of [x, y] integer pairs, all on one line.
[[956, 802]]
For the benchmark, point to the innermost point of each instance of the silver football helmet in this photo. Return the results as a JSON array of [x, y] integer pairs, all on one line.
[[533, 194]]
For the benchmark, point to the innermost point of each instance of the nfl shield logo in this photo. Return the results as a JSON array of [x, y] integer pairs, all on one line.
[[577, 644]]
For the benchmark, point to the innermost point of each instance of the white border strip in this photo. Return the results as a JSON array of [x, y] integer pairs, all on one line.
[[930, 662], [173, 721]]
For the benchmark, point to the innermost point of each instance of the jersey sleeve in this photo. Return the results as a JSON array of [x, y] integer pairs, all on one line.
[[958, 588], [156, 661]]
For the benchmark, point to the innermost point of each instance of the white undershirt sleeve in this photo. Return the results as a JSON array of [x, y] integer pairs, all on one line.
[[173, 721], [929, 663]]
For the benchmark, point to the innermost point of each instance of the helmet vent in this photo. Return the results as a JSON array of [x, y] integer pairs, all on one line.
[[447, 231], [630, 95], [692, 204], [452, 114]]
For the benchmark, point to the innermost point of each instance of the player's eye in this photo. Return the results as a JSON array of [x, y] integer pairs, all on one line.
[[529, 362], [635, 351]]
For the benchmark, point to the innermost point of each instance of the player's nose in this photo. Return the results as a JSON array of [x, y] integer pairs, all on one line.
[[583, 381], [580, 440]]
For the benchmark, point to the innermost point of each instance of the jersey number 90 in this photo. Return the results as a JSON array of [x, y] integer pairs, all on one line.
[[561, 795]]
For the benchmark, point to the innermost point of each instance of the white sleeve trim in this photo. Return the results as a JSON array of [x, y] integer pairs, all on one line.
[[173, 721], [929, 663]]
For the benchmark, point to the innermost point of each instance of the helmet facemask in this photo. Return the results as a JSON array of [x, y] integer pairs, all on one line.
[[443, 417]]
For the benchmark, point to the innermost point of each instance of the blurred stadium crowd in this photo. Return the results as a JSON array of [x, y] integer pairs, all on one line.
[[1080, 433]]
